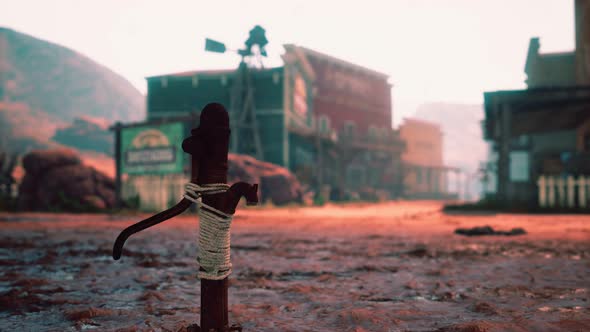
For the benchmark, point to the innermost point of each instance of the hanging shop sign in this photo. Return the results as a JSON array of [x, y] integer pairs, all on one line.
[[152, 149]]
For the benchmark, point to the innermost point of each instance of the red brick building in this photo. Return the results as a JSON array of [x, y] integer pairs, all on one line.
[[353, 104]]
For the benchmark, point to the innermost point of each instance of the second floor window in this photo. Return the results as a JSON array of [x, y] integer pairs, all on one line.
[[324, 124], [349, 129], [373, 133], [587, 142]]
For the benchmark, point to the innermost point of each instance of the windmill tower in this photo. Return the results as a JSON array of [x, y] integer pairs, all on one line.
[[245, 136]]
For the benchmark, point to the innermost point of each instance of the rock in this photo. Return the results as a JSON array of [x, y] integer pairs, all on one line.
[[280, 188], [107, 181], [94, 202], [482, 326], [38, 161], [487, 230], [106, 193], [485, 308], [75, 315], [276, 184], [58, 180]]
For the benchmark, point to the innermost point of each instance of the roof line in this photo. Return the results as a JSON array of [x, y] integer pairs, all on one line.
[[192, 72], [544, 89], [201, 72], [557, 54], [337, 60]]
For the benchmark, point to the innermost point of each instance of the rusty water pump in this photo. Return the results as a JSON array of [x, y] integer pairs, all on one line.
[[208, 146]]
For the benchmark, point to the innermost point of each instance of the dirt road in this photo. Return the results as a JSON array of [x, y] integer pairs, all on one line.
[[368, 267]]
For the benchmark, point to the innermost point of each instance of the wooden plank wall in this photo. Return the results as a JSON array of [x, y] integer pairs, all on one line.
[[156, 192]]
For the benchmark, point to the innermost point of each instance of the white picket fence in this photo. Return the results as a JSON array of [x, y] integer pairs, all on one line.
[[570, 192]]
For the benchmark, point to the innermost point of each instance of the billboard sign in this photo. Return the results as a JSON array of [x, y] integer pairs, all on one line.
[[152, 149], [300, 95]]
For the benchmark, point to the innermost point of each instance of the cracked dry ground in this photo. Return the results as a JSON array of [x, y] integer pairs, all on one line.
[[383, 267]]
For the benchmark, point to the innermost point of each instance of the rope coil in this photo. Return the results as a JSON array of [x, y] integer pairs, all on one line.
[[214, 235]]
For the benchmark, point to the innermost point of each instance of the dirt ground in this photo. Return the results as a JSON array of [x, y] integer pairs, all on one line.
[[369, 267]]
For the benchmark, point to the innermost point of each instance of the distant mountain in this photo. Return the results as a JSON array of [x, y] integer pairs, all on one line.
[[463, 144], [44, 87]]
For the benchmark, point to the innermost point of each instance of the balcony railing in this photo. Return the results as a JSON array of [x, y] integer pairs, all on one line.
[[390, 138]]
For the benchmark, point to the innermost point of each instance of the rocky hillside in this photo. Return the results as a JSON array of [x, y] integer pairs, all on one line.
[[44, 87], [88, 134]]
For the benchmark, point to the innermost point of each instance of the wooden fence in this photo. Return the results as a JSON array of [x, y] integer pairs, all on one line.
[[564, 192]]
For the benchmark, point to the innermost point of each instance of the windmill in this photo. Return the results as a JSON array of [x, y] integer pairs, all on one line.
[[245, 136]]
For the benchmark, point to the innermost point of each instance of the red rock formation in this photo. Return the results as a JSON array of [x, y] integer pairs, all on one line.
[[276, 184], [57, 179]]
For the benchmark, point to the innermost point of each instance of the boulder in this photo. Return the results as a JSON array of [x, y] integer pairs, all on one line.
[[276, 183], [280, 188], [56, 179], [39, 161], [94, 202]]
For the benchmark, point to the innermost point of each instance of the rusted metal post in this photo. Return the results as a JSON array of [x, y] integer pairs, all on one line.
[[118, 161], [208, 146]]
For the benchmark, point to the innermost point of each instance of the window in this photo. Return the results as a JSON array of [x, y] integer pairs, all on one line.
[[324, 124], [587, 142], [519, 166], [355, 176], [373, 133], [419, 175], [349, 129]]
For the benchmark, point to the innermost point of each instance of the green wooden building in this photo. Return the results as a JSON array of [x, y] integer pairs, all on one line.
[[324, 131], [182, 94]]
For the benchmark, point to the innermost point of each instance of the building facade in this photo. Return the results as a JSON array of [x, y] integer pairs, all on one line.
[[542, 130], [352, 109], [314, 115], [425, 175]]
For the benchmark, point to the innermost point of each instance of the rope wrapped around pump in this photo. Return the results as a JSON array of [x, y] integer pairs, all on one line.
[[214, 235]]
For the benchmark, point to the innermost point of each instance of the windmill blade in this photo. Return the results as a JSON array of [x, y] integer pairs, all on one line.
[[214, 46]]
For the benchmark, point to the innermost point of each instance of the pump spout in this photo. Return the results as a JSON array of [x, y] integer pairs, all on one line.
[[147, 223], [230, 202], [237, 191]]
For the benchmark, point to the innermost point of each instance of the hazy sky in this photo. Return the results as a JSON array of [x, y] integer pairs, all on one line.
[[434, 50]]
